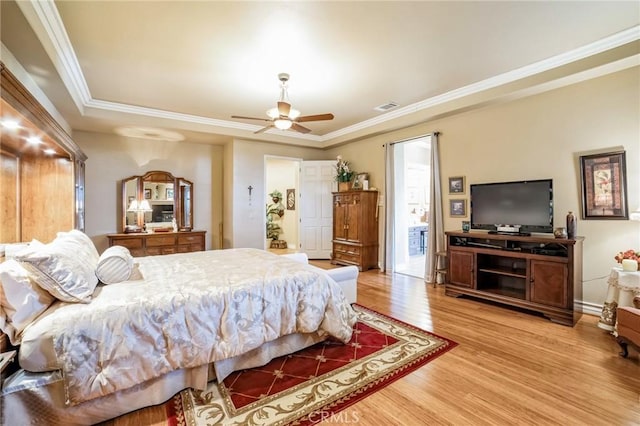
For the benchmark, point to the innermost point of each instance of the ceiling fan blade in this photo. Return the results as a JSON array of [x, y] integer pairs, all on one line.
[[284, 108], [299, 128], [317, 117], [249, 118], [264, 129]]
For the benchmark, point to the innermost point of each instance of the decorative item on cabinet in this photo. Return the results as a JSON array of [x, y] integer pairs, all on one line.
[[560, 232], [355, 229], [358, 182], [571, 225], [344, 174]]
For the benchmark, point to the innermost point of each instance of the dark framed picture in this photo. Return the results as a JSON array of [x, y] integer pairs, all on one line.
[[358, 181], [458, 208], [169, 195], [147, 193], [291, 199], [604, 186], [456, 185]]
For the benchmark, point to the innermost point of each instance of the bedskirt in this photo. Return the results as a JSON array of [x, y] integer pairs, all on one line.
[[38, 398]]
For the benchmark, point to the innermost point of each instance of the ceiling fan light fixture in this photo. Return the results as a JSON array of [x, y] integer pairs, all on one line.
[[282, 124], [293, 114], [273, 113]]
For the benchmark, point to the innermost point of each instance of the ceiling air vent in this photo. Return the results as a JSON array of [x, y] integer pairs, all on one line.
[[386, 107]]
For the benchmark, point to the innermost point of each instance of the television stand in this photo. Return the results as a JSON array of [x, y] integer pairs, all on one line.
[[541, 274]]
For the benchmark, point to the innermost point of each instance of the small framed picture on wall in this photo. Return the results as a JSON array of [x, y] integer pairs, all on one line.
[[458, 208], [456, 185]]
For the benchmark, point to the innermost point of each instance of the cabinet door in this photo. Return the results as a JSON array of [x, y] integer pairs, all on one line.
[[549, 283], [340, 215], [354, 216], [461, 268]]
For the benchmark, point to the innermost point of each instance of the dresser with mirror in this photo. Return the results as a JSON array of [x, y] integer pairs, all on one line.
[[157, 215]]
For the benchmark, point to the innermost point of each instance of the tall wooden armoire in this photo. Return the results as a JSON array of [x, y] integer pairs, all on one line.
[[355, 229]]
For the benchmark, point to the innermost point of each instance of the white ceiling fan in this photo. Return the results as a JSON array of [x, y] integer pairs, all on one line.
[[284, 117]]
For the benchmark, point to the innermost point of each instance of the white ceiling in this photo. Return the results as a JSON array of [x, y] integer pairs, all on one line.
[[188, 66]]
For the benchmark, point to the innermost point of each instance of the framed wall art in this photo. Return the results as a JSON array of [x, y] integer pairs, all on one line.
[[358, 182], [604, 186], [456, 185], [458, 208], [291, 199]]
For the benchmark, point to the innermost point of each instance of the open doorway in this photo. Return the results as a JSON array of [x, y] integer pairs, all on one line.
[[411, 179], [281, 204]]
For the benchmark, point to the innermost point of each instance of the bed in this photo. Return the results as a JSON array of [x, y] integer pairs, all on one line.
[[177, 321]]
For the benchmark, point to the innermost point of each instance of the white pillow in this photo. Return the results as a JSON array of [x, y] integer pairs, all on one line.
[[84, 240], [65, 267], [21, 300], [114, 265]]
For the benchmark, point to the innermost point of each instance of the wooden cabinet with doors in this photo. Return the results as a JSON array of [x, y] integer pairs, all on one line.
[[461, 268], [537, 273], [355, 229], [42, 169]]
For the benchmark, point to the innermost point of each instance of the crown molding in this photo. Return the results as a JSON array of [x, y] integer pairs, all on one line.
[[58, 46]]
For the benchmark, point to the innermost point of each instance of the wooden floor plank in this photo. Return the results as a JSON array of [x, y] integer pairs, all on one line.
[[511, 367]]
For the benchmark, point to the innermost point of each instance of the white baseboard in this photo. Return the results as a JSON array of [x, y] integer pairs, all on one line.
[[589, 308]]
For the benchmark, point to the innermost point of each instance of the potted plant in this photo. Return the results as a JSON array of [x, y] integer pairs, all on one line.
[[275, 210], [344, 174]]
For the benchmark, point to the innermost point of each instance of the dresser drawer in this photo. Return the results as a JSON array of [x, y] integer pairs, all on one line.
[[347, 257], [346, 249], [137, 252], [168, 240], [155, 244], [130, 243], [190, 239]]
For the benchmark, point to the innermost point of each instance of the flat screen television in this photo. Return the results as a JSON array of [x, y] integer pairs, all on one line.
[[513, 207]]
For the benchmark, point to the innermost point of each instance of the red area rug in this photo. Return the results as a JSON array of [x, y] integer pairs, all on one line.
[[313, 384]]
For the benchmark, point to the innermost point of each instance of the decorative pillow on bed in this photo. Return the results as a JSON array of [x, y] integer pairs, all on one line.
[[21, 299], [114, 265], [65, 267]]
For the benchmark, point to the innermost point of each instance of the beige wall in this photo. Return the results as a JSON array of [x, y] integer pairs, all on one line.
[[112, 158], [541, 136], [248, 215]]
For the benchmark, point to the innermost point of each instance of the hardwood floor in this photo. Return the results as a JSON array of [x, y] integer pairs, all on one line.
[[510, 367]]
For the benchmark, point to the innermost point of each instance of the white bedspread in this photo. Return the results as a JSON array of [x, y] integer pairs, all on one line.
[[190, 309]]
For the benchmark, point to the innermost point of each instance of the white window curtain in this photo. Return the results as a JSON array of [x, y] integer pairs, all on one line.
[[389, 197], [435, 236]]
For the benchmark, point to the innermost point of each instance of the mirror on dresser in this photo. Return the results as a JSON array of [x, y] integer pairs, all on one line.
[[154, 200]]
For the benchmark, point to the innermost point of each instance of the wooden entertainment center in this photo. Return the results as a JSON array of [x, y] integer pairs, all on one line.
[[538, 273]]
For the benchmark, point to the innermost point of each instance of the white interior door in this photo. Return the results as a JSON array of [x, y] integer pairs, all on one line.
[[316, 220]]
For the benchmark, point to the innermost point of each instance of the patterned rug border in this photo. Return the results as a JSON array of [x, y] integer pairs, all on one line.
[[178, 406], [361, 393]]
